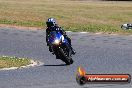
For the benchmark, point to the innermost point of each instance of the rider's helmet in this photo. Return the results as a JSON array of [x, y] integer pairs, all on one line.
[[51, 22]]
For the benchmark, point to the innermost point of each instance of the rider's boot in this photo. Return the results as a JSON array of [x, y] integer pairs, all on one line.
[[73, 51]]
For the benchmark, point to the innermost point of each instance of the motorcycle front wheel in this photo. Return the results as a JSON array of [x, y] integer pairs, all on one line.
[[65, 57]]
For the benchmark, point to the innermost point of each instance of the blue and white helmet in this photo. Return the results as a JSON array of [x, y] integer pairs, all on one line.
[[51, 22]]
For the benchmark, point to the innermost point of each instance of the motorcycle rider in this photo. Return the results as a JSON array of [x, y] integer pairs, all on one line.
[[52, 26]]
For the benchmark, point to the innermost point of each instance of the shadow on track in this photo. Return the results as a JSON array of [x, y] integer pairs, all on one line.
[[56, 65]]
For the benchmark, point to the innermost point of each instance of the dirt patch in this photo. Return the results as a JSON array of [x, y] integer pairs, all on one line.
[[21, 27]]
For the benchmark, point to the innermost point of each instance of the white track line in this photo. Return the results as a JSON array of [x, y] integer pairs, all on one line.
[[83, 32], [98, 33], [68, 31], [130, 35]]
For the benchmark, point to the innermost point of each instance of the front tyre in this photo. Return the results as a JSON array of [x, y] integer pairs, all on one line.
[[65, 58]]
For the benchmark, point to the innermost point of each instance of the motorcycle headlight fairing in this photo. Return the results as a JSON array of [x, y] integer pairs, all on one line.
[[56, 41]]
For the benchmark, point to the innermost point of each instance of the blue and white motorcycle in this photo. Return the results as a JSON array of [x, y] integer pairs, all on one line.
[[61, 47], [127, 26]]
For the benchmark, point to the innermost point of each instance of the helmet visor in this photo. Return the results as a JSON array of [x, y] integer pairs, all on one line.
[[49, 24]]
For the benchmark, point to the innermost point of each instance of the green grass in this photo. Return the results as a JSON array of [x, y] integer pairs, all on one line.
[[6, 62], [75, 15]]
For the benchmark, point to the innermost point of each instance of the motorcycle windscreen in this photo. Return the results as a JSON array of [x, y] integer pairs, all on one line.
[[53, 36]]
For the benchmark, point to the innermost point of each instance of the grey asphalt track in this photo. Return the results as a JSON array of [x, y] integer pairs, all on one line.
[[95, 53]]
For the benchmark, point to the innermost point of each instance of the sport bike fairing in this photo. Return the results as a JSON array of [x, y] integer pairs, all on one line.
[[56, 37]]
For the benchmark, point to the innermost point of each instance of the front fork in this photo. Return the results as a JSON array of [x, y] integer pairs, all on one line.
[[65, 47], [68, 49]]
